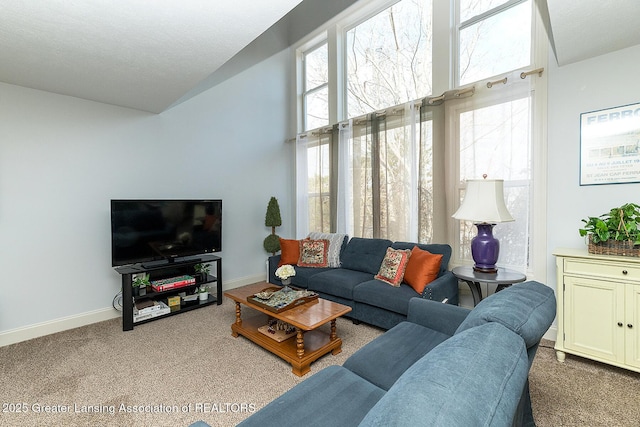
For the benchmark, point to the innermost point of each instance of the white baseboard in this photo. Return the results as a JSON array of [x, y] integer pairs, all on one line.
[[57, 325], [551, 334], [36, 330], [232, 284]]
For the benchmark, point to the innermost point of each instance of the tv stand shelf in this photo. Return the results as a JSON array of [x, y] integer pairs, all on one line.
[[169, 269]]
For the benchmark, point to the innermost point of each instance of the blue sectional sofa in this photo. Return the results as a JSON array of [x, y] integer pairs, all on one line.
[[353, 284], [444, 366]]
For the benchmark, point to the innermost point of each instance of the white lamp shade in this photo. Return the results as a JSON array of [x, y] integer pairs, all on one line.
[[484, 202]]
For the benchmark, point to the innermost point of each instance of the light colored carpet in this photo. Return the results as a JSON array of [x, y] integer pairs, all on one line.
[[188, 364], [581, 392], [185, 368]]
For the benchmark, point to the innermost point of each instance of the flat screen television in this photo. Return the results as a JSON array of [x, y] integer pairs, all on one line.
[[150, 231]]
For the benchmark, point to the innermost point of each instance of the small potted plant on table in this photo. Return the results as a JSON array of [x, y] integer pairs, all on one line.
[[140, 283], [203, 292], [202, 270]]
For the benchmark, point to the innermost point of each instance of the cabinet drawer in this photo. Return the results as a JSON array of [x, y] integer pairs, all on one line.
[[619, 271]]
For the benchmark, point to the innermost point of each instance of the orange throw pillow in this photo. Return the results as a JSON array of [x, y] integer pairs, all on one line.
[[423, 268], [290, 252]]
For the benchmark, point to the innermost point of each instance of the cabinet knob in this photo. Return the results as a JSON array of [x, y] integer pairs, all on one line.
[[625, 272], [629, 325], [620, 324]]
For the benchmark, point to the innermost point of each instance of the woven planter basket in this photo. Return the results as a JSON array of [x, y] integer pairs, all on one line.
[[614, 247]]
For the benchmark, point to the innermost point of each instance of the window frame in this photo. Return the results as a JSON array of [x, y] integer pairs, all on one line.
[[537, 268], [459, 26], [305, 91], [444, 73]]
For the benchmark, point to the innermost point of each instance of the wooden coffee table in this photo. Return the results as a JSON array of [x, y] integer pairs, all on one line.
[[309, 343]]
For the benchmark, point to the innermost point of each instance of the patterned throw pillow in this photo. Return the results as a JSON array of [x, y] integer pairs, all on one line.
[[393, 266], [335, 245], [313, 253]]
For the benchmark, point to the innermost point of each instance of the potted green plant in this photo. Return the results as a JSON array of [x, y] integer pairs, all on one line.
[[614, 233], [202, 270], [203, 292], [140, 283]]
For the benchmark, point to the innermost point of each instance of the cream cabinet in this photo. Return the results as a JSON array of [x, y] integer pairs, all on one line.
[[598, 306]]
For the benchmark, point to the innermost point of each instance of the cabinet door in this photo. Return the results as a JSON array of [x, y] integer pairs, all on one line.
[[632, 316], [592, 311]]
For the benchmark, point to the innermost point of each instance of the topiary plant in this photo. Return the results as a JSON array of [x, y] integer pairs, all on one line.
[[272, 219]]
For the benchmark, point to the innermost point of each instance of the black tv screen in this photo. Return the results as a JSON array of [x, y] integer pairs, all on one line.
[[151, 230]]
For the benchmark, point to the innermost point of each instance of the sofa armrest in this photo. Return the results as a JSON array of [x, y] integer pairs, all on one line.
[[445, 287], [273, 266], [434, 315]]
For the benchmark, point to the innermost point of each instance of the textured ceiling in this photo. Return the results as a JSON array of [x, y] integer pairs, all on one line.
[[142, 54], [584, 29], [152, 54]]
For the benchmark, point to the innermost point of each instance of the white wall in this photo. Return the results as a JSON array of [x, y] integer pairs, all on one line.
[[606, 81], [62, 159]]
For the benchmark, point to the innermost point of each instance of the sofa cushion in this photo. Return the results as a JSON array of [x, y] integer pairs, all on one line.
[[337, 242], [475, 378], [384, 360], [393, 266], [434, 248], [339, 282], [379, 294], [303, 274], [289, 252], [334, 396], [526, 308], [313, 253], [422, 269], [365, 255], [376, 316]]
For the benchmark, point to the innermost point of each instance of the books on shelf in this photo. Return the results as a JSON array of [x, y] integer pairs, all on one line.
[[157, 309], [172, 283], [145, 303]]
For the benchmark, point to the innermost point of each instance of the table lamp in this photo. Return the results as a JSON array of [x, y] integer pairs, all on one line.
[[484, 205]]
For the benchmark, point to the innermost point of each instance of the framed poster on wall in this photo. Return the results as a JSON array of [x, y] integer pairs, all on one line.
[[610, 146]]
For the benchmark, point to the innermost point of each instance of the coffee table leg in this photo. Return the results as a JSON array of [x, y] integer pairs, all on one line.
[[300, 343], [334, 336], [238, 319]]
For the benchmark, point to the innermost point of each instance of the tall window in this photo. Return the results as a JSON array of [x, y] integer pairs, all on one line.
[[319, 183], [316, 87], [493, 129], [399, 171], [495, 139], [382, 173], [389, 57], [494, 37]]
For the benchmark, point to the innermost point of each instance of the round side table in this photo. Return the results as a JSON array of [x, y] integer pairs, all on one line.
[[503, 278]]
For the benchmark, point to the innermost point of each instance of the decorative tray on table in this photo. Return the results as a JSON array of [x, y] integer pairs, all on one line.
[[278, 299]]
